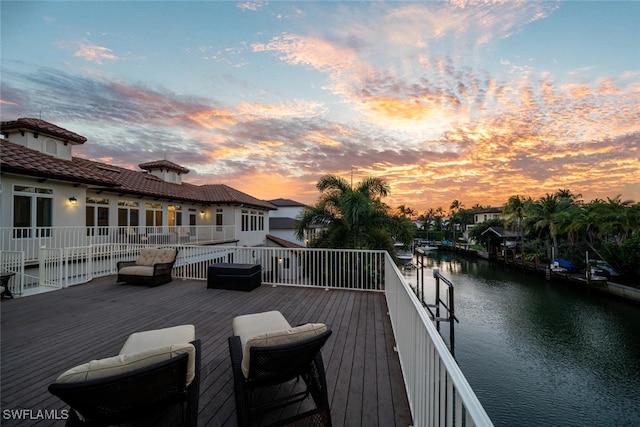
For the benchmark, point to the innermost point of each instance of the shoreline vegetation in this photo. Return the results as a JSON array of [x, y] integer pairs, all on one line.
[[600, 237]]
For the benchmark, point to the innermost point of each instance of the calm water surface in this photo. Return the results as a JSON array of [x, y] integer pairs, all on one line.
[[542, 354]]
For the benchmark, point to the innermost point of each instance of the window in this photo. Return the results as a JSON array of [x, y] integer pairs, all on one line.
[[128, 214], [245, 220], [153, 214], [192, 221], [51, 147], [219, 217], [32, 207], [175, 215], [97, 216], [252, 221]]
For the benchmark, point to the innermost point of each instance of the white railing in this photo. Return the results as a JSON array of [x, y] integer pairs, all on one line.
[[345, 269], [438, 392], [13, 262], [30, 240]]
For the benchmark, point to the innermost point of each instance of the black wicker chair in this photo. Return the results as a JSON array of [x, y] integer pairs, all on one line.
[[151, 396], [279, 364], [161, 272]]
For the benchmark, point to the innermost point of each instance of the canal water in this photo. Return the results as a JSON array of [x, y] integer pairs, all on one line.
[[538, 353]]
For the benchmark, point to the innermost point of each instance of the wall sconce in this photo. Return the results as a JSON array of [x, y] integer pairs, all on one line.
[[73, 201], [201, 213]]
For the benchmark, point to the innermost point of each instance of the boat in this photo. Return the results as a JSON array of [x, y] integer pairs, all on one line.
[[405, 257], [560, 264]]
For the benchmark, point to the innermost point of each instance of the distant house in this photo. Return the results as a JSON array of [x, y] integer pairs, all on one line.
[[45, 187], [486, 214], [507, 238], [282, 222]]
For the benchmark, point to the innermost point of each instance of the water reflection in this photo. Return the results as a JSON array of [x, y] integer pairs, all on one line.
[[539, 353]]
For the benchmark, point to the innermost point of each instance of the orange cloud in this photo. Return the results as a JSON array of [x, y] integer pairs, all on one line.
[[214, 118]]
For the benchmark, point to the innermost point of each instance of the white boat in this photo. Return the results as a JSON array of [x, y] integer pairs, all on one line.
[[426, 248], [405, 257]]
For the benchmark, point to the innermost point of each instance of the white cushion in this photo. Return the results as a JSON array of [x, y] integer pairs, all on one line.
[[137, 270], [164, 256], [249, 325], [139, 341], [128, 362], [146, 257]]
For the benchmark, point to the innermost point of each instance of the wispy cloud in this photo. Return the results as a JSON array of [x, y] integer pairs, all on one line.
[[94, 53]]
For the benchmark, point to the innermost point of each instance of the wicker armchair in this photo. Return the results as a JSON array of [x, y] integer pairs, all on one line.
[[277, 364], [159, 394], [152, 268]]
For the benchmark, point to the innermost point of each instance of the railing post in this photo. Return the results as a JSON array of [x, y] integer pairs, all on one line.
[[41, 266], [436, 275]]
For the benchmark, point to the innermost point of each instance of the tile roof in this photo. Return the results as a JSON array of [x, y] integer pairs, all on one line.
[[25, 161], [488, 210], [286, 203], [19, 159], [38, 125], [501, 232], [163, 164], [282, 242]]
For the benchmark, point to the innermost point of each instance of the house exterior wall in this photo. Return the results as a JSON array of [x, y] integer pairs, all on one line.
[[244, 233], [487, 215], [288, 235], [27, 202], [63, 213], [286, 212], [43, 144]]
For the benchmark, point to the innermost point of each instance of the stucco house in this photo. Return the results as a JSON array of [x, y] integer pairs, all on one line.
[[486, 214], [282, 222], [44, 187]]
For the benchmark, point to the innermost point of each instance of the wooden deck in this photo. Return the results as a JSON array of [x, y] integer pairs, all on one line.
[[43, 335]]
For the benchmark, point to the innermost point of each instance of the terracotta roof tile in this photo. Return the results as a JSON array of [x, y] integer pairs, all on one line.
[[282, 242], [163, 164], [21, 160], [286, 203], [231, 195], [38, 125]]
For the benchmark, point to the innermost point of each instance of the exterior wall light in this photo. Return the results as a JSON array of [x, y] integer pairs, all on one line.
[[201, 213], [73, 201]]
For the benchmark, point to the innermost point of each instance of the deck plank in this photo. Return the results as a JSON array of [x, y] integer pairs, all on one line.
[[43, 335]]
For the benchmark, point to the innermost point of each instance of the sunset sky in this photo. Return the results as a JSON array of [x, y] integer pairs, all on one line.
[[474, 101]]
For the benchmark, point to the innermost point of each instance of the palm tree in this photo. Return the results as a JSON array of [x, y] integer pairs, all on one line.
[[567, 194], [514, 211], [545, 214], [406, 211], [355, 217], [455, 206]]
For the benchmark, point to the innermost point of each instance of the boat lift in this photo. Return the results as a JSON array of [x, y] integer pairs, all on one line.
[[435, 309]]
